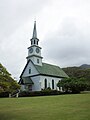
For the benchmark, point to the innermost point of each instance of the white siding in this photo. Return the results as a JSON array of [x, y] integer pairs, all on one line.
[[33, 70], [37, 84], [49, 82], [39, 81], [34, 51], [34, 60], [22, 88]]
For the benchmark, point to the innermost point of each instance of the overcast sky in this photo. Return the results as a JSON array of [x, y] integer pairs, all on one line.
[[63, 28]]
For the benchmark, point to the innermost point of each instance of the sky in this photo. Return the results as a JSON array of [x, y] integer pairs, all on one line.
[[63, 28]]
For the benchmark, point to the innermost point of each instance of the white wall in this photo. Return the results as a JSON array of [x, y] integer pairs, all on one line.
[[39, 82], [35, 57], [37, 85], [22, 88], [33, 70], [34, 51], [49, 82], [34, 60]]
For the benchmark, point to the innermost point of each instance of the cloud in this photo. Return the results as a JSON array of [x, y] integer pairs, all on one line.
[[63, 27], [68, 45], [14, 13], [15, 19]]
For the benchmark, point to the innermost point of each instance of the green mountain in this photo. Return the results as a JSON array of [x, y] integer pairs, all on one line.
[[78, 72], [85, 66]]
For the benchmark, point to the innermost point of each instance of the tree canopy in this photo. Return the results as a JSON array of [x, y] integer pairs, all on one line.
[[7, 83], [79, 80], [73, 85]]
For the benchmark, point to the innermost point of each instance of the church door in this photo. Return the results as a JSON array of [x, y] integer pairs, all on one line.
[[30, 87]]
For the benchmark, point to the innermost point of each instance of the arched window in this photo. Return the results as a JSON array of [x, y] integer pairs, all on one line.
[[37, 42], [29, 70], [45, 83], [52, 84], [31, 42]]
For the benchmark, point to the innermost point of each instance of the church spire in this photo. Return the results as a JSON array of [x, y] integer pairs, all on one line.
[[34, 40], [34, 51], [34, 31]]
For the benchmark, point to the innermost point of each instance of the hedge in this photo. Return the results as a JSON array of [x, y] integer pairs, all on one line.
[[4, 94], [39, 93]]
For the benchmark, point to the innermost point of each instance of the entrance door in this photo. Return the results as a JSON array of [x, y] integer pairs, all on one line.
[[30, 87]]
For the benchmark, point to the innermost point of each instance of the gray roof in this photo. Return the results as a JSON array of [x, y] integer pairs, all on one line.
[[27, 80], [51, 70]]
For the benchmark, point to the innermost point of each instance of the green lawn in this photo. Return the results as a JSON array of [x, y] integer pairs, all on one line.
[[62, 107]]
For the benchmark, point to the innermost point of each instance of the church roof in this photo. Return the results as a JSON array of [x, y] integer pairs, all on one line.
[[51, 70], [26, 80], [47, 70]]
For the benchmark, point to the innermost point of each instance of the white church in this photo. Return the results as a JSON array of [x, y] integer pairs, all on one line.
[[37, 75]]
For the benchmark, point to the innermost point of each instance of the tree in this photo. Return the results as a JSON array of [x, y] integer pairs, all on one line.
[[7, 83], [73, 85], [77, 72]]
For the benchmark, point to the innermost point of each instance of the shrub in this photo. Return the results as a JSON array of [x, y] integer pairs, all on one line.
[[74, 85], [39, 93], [4, 94]]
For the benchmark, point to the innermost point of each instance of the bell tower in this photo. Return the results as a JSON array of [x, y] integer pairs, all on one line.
[[34, 51]]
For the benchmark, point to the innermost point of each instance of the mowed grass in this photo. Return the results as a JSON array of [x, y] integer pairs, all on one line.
[[62, 107]]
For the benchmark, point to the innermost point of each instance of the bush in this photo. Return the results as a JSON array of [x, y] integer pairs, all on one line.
[[4, 94], [47, 89], [74, 85], [39, 93]]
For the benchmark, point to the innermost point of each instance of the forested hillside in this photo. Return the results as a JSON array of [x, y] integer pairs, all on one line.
[[79, 80], [85, 66], [78, 72]]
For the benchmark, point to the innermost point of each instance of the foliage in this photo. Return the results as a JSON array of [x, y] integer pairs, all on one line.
[[78, 72], [39, 93], [47, 89], [4, 94], [73, 85], [3, 70], [7, 83]]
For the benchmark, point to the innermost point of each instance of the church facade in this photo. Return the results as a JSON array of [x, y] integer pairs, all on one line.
[[37, 75]]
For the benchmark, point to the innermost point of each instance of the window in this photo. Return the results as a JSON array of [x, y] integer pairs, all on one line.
[[52, 84], [31, 42], [30, 87], [45, 83], [34, 41], [29, 70], [37, 60], [37, 42]]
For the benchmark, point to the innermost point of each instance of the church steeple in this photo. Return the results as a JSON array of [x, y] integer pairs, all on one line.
[[34, 31], [34, 51], [34, 40]]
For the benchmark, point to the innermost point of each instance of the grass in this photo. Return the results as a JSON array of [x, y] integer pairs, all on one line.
[[62, 107]]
